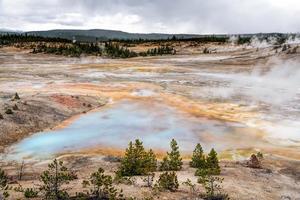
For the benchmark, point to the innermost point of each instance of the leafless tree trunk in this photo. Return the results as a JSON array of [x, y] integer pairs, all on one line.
[[21, 171]]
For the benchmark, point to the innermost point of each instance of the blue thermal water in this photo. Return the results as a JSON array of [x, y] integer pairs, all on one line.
[[116, 125]]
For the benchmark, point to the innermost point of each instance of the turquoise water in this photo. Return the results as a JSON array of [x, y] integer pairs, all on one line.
[[115, 126]]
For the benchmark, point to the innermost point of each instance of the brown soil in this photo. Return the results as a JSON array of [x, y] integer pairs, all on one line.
[[38, 112], [240, 182], [64, 92]]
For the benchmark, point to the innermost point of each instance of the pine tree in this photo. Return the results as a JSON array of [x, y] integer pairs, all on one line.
[[150, 162], [164, 166], [54, 179], [168, 181], [212, 185], [212, 162], [128, 165], [102, 186], [174, 156], [150, 167], [16, 97], [198, 157], [140, 156], [137, 161], [173, 160]]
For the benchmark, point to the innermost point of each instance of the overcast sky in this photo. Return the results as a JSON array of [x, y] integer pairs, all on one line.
[[166, 16]]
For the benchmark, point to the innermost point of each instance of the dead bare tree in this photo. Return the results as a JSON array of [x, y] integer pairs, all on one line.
[[21, 171]]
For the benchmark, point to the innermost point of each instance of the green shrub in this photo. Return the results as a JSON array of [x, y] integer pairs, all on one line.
[[137, 161], [30, 193], [168, 181], [212, 186], [114, 50], [3, 185], [198, 157], [81, 196], [173, 160], [8, 111], [161, 50], [54, 179], [127, 180], [164, 166], [260, 155], [102, 186], [191, 186], [16, 97], [18, 188]]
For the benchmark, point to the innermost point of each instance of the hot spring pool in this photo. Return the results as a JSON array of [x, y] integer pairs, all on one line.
[[115, 125]]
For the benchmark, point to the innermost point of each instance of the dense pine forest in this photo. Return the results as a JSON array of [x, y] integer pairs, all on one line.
[[7, 39]]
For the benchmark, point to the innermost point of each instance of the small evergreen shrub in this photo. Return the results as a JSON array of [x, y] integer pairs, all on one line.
[[212, 186], [260, 155], [8, 111], [127, 180], [168, 181], [191, 186], [102, 186], [54, 179], [3, 185], [16, 97], [164, 166], [30, 193]]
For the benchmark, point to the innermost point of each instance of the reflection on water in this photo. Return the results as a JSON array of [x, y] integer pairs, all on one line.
[[115, 126]]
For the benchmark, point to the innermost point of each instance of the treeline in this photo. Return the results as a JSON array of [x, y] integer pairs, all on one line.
[[16, 38], [114, 50], [161, 50], [65, 47], [243, 40], [137, 162], [203, 39], [110, 49], [74, 50], [8, 39], [280, 38]]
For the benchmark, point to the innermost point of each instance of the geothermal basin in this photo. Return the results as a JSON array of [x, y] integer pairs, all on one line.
[[222, 104], [117, 124]]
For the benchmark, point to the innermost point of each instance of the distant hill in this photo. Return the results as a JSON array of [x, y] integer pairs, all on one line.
[[100, 34], [8, 31]]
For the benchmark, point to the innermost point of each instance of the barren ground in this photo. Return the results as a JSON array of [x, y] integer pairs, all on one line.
[[222, 87]]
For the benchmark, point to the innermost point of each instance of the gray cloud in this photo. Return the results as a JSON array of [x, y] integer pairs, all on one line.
[[170, 16]]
